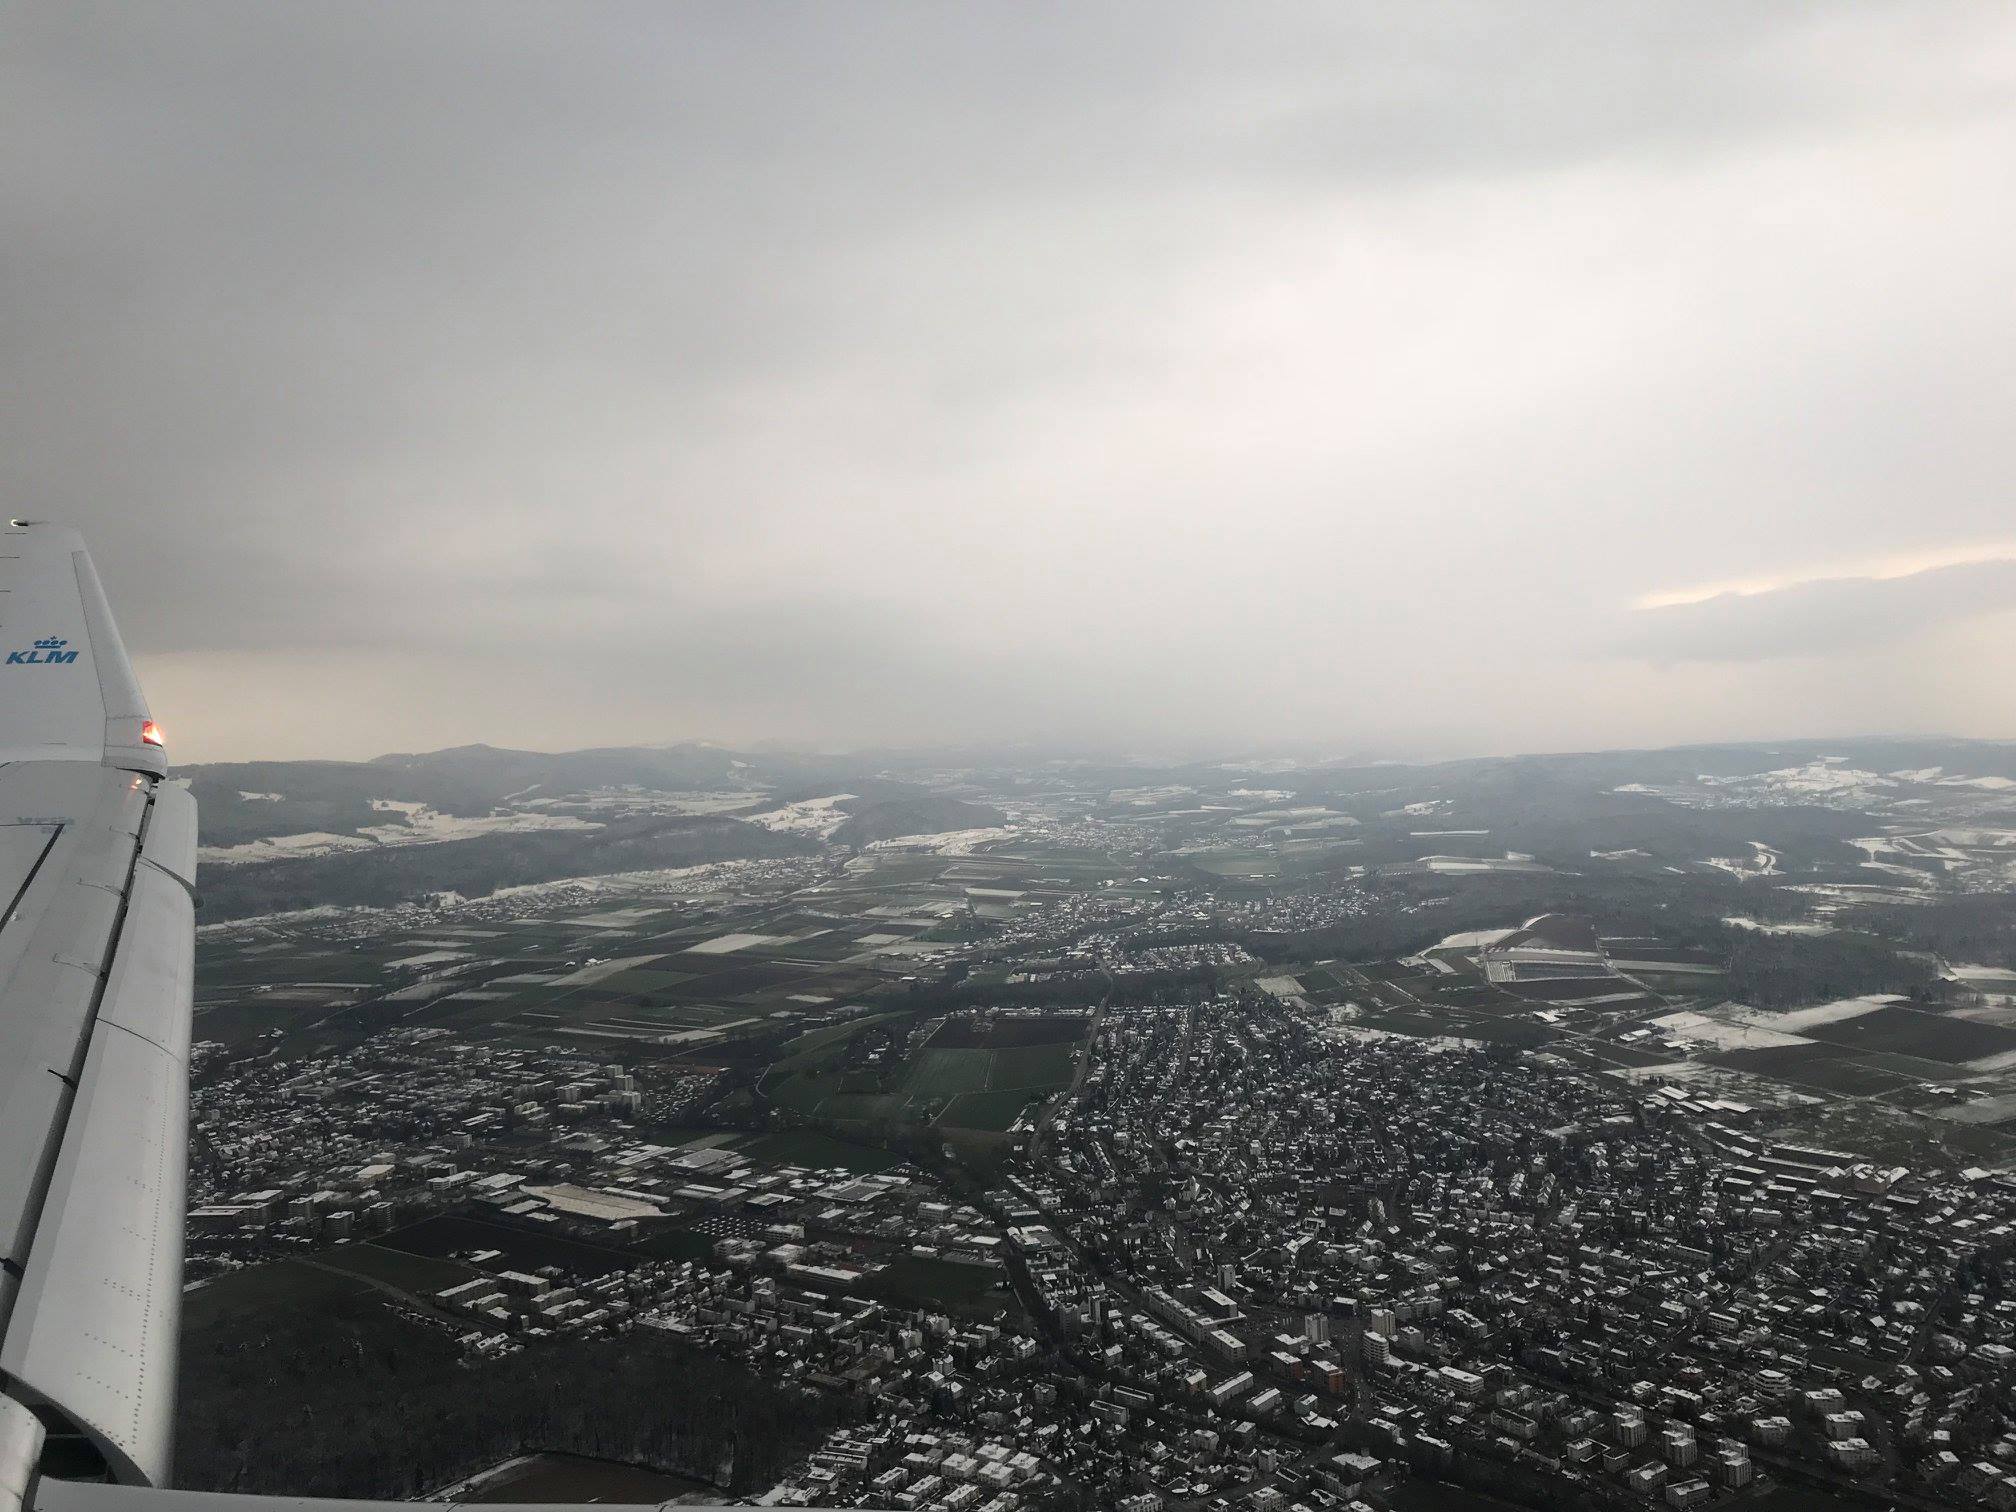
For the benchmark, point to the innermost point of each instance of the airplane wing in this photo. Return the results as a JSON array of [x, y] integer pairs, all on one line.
[[97, 858], [97, 947]]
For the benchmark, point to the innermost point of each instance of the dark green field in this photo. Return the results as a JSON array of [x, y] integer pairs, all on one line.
[[1908, 1031], [918, 1281], [965, 1086], [992, 1112], [423, 1275]]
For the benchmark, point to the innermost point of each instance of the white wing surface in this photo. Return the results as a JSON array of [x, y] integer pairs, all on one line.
[[97, 857], [69, 693]]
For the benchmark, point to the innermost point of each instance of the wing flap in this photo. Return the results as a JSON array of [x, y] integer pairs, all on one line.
[[171, 832], [95, 1323], [152, 981], [101, 999], [54, 945]]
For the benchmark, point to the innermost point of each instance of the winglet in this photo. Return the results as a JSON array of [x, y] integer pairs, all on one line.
[[66, 688]]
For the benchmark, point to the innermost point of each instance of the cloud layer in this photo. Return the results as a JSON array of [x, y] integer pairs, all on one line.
[[1824, 617], [1171, 375]]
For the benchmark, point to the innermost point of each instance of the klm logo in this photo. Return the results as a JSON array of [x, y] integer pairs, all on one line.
[[49, 650]]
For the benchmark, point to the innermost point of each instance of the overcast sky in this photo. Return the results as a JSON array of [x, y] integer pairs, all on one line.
[[1397, 379]]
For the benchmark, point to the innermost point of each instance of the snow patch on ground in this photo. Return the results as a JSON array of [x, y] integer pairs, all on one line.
[[1814, 778], [1976, 839], [1799, 1019], [1723, 1035], [423, 826], [945, 842], [728, 944], [1761, 862], [433, 958], [281, 847], [597, 971], [808, 816], [1472, 939], [1984, 975]]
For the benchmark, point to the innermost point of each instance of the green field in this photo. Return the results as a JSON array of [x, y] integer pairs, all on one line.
[[279, 979], [1032, 1066], [965, 1086], [821, 1093], [281, 1287], [936, 1074], [993, 1112], [420, 1274], [942, 1283], [816, 1045]]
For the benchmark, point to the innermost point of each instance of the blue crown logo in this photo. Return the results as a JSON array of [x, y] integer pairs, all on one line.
[[51, 643]]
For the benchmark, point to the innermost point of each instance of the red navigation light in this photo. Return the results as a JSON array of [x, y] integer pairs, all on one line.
[[150, 734]]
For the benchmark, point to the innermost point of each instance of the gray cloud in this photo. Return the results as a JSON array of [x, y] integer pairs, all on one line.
[[1166, 372], [1825, 617]]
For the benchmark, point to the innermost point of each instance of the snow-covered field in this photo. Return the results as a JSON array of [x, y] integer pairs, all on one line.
[[1761, 862], [597, 971], [279, 847], [945, 842], [808, 816], [433, 958], [423, 826], [1473, 939], [1991, 978], [1798, 1019], [1970, 856], [1814, 778], [1723, 1034], [1832, 782], [728, 944]]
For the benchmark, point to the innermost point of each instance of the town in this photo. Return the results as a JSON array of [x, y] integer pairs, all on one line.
[[1063, 1186]]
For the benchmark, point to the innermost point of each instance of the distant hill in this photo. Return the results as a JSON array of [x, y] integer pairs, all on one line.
[[474, 818], [505, 772], [386, 875], [251, 800]]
